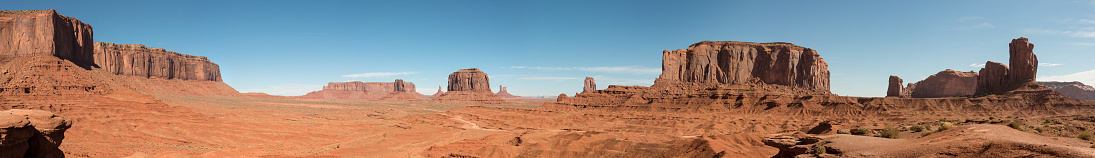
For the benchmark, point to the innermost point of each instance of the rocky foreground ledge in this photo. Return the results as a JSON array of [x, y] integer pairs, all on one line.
[[31, 133]]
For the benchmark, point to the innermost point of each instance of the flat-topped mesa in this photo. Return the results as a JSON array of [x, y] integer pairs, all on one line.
[[138, 60], [469, 85], [45, 32], [733, 62], [1072, 89], [590, 85], [469, 80], [358, 90]]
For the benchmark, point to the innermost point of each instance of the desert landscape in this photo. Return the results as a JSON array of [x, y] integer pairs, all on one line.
[[65, 94]]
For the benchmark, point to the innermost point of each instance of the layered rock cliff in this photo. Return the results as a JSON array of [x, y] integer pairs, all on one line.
[[138, 60], [1072, 89], [733, 62], [358, 90], [1021, 70], [45, 32], [469, 85], [895, 89]]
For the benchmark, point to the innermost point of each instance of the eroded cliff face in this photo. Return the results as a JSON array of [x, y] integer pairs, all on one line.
[[469, 80], [359, 90], [733, 62], [138, 60], [1072, 89], [946, 83], [45, 32]]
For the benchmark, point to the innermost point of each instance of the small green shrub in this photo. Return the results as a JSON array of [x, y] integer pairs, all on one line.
[[1085, 136], [917, 128], [945, 126], [926, 133], [843, 131], [862, 131], [1015, 125], [819, 150], [890, 132]]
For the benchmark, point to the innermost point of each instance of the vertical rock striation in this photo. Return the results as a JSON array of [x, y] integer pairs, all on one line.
[[138, 60], [399, 86], [358, 90], [946, 83], [895, 89], [1023, 63], [992, 78], [470, 85], [45, 32], [590, 85], [733, 62]]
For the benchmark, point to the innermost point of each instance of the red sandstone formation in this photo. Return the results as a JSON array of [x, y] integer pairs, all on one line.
[[946, 83], [469, 80], [590, 85], [439, 92], [1023, 63], [992, 78], [895, 89], [505, 94], [469, 85], [358, 90], [32, 133], [1072, 89], [138, 60], [45, 32], [399, 86], [732, 62], [400, 93]]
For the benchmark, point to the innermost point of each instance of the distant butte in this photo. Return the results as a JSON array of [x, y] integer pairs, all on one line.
[[469, 85]]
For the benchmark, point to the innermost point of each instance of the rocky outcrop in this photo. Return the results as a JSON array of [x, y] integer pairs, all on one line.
[[399, 86], [138, 60], [895, 87], [31, 133], [946, 83], [1072, 89], [45, 32], [992, 78], [590, 85], [358, 90], [469, 85], [732, 62], [400, 92], [1022, 64], [504, 94], [439, 92], [469, 80], [1021, 70]]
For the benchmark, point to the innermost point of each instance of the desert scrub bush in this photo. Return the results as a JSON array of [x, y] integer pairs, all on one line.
[[917, 128], [945, 126], [926, 133], [819, 150], [1085, 136], [843, 131], [1015, 125], [862, 131], [889, 132]]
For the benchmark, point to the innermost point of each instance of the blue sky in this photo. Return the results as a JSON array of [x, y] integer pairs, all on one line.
[[548, 47]]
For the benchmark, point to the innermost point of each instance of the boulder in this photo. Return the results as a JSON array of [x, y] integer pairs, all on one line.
[[32, 133], [590, 85], [895, 87], [138, 60], [947, 83], [45, 32], [733, 62]]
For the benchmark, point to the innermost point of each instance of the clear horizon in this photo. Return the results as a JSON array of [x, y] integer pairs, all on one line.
[[547, 48]]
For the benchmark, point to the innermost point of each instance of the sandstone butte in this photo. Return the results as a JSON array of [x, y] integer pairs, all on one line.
[[402, 91], [138, 60], [504, 94], [994, 78], [45, 32], [357, 90], [469, 85], [590, 85], [1072, 89]]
